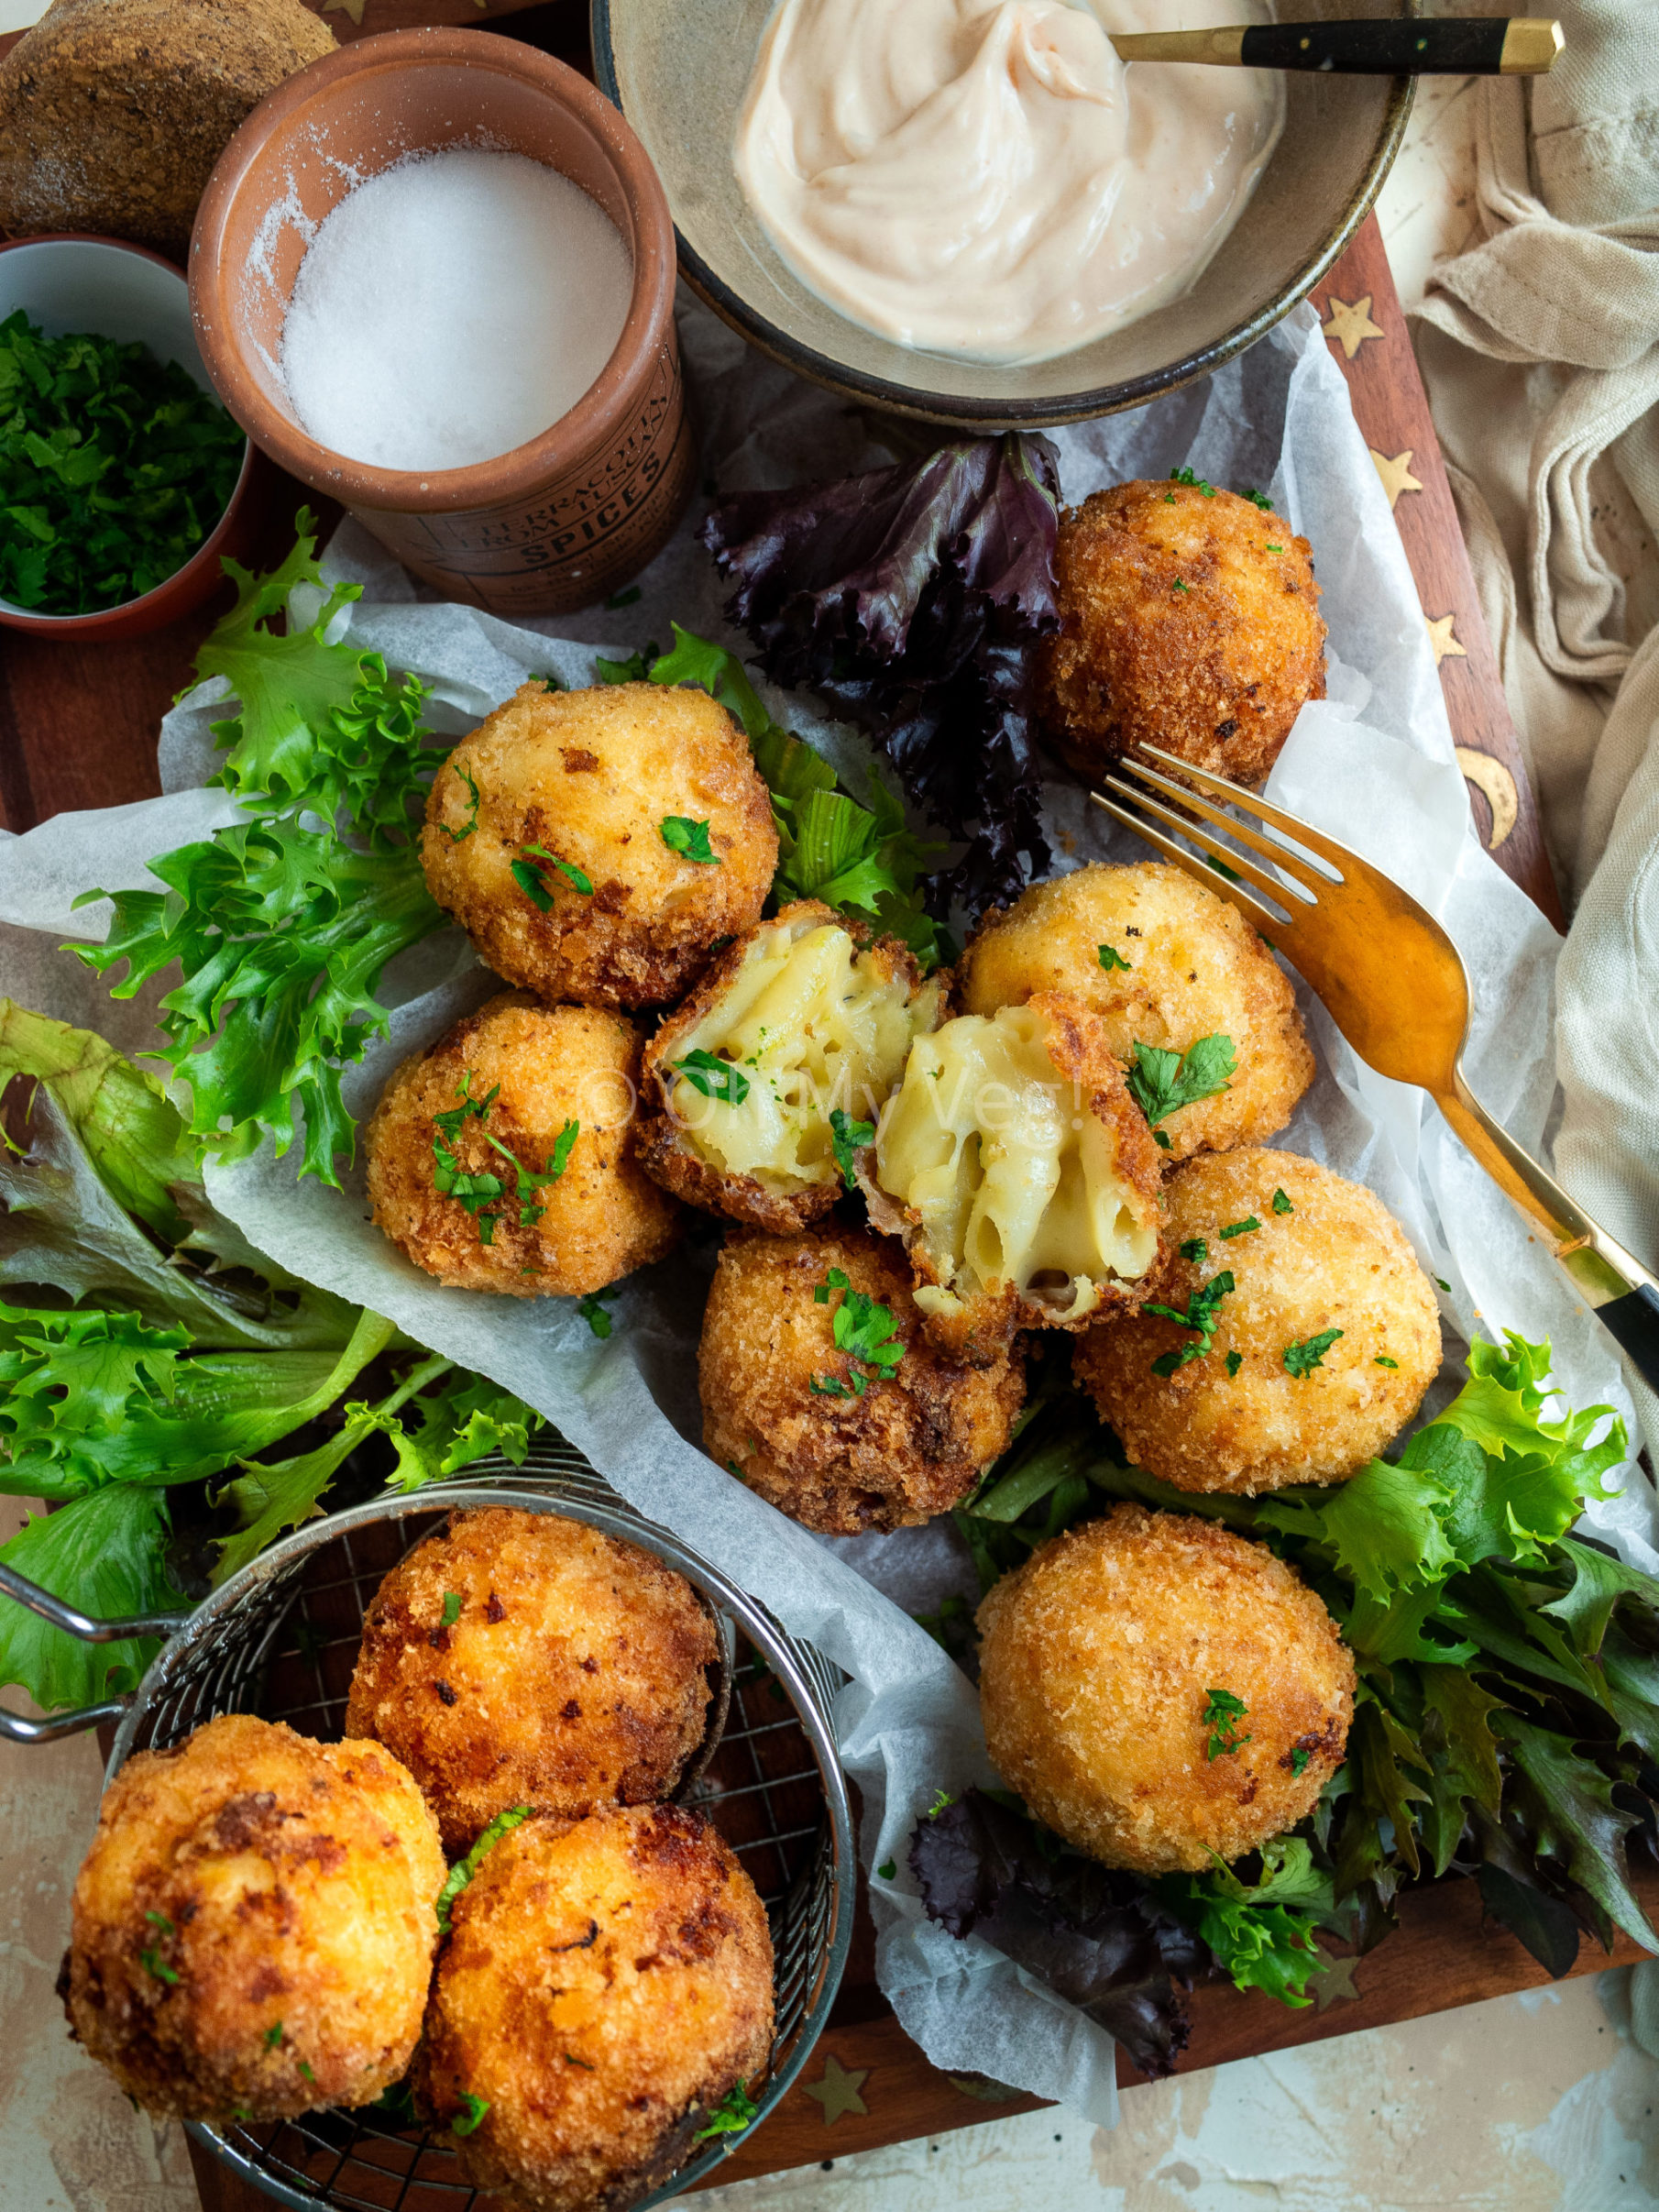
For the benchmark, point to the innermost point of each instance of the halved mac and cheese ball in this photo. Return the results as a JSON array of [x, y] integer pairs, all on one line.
[[1316, 1335], [1020, 1173], [1163, 962], [596, 845], [500, 1158], [821, 1392], [761, 1080]]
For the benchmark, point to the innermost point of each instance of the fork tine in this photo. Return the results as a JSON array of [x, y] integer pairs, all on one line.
[[1235, 863], [1327, 848], [1254, 912], [1186, 798]]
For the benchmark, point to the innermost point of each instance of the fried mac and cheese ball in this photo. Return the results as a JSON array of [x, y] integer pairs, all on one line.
[[254, 1924], [545, 837], [1317, 1356], [811, 1020], [500, 1158], [608, 1982], [822, 1392], [517, 1659], [1020, 1175], [1157, 1688], [1162, 961], [1189, 620]]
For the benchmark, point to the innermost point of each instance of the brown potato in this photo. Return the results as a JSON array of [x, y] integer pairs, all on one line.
[[1189, 620], [521, 1659], [816, 1019], [541, 1068], [1020, 1175], [254, 1924], [1337, 1260], [911, 1445], [1196, 969], [589, 778], [608, 1981], [1097, 1664]]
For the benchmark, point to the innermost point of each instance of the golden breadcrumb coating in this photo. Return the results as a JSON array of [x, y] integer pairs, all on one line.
[[1338, 1260], [254, 1924], [517, 1659], [1189, 621], [546, 1067], [1195, 968], [1020, 1175], [912, 1446], [591, 776], [816, 1019], [608, 1982], [1096, 1667]]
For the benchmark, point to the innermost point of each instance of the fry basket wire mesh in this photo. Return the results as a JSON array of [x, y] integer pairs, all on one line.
[[281, 1640]]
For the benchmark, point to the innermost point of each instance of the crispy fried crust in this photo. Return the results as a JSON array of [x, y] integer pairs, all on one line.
[[911, 1447], [1196, 969], [1340, 1261], [1179, 628], [984, 1323], [288, 1886], [1097, 1662], [591, 776], [602, 1219], [608, 1981], [667, 1152], [572, 1675]]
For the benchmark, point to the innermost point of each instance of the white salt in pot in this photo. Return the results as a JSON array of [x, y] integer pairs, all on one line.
[[559, 521]]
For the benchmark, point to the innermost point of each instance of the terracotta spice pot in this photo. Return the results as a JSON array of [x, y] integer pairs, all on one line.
[[556, 524]]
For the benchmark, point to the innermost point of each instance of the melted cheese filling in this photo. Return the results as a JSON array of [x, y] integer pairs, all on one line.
[[1013, 1177], [813, 1025]]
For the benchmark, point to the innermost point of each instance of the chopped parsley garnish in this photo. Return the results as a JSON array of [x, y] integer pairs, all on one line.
[[631, 597], [1241, 1228], [1196, 1251], [830, 1386], [1275, 548], [468, 2121], [160, 1920], [1382, 1359], [1200, 1317], [716, 1078], [593, 1312], [689, 838], [308, 2075], [1303, 1357], [153, 1963], [1235, 1361], [1222, 1714], [1178, 585], [462, 1872], [479, 1192], [1195, 483], [1168, 499], [1282, 1205], [459, 836], [1300, 1755], [863, 1329], [452, 1607], [273, 2035], [1110, 957], [1161, 1082], [529, 880], [1445, 1285], [886, 1870], [848, 1137], [735, 2111], [587, 2064], [1257, 500]]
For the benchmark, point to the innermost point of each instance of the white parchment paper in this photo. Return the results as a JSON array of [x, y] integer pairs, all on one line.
[[1372, 764]]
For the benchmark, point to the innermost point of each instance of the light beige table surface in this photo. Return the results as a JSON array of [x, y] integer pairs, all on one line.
[[1537, 2103]]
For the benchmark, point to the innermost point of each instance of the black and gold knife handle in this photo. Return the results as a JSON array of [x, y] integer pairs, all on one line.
[[1439, 46]]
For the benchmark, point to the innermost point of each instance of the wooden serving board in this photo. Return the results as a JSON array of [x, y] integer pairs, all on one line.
[[78, 730]]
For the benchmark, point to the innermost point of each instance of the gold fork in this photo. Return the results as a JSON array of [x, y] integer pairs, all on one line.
[[1395, 985]]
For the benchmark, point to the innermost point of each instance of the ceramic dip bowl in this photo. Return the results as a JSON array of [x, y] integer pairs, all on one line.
[[555, 524]]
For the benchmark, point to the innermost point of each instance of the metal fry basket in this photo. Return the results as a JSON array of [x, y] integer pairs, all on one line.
[[281, 1640]]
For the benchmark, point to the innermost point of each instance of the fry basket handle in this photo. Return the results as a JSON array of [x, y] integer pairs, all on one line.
[[16, 1727]]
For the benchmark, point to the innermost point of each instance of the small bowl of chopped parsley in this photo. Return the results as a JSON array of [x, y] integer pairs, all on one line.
[[119, 468]]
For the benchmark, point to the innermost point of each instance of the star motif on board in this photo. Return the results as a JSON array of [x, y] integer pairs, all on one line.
[[1336, 1984], [1441, 639], [1396, 474], [837, 2089], [1350, 327]]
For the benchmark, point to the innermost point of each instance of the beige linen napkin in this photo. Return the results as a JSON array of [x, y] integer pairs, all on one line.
[[1540, 348]]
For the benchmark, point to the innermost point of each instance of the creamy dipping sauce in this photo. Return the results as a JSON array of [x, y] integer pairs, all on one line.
[[985, 178]]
